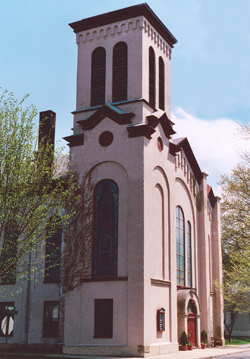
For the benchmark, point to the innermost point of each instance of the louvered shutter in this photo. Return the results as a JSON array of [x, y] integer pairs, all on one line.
[[98, 76], [161, 84], [120, 72], [151, 77]]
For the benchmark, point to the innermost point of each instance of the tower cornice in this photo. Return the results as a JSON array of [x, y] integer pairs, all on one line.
[[124, 14]]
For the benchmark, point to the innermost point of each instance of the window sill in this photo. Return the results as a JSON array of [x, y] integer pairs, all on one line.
[[104, 279], [52, 281]]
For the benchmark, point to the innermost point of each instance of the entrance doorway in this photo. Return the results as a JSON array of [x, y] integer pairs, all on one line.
[[192, 330], [191, 322]]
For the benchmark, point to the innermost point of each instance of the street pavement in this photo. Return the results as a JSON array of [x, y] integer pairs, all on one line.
[[236, 351]]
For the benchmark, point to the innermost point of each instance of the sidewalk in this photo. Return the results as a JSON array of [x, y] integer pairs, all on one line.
[[215, 352]]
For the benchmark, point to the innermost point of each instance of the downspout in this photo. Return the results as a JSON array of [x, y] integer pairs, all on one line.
[[27, 314]]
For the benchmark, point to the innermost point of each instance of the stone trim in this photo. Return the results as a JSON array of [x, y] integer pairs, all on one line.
[[161, 282]]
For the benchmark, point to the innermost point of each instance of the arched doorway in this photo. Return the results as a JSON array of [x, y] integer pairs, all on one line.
[[189, 315], [191, 322]]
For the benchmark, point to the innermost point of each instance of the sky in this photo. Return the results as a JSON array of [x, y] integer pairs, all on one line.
[[210, 67]]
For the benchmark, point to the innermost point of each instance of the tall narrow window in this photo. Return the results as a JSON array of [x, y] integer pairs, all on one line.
[[105, 229], [151, 77], [51, 319], [103, 326], [53, 254], [120, 71], [189, 255], [180, 247], [98, 75], [161, 84], [9, 255]]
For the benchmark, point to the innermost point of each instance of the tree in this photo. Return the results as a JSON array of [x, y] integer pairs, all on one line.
[[78, 236], [33, 189], [235, 214]]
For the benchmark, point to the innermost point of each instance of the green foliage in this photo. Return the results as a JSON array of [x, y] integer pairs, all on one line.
[[237, 340], [30, 191], [203, 337], [184, 338], [235, 215]]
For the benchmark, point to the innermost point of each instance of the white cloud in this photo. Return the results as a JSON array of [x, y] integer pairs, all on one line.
[[215, 143]]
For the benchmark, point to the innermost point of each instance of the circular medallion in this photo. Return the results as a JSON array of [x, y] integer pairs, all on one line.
[[106, 138]]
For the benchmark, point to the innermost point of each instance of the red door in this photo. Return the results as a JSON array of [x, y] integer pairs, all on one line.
[[192, 330]]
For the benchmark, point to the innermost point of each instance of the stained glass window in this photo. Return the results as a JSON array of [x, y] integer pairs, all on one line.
[[105, 229], [189, 257], [180, 246]]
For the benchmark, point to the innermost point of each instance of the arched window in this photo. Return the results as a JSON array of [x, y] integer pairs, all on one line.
[[98, 75], [53, 251], [161, 84], [151, 77], [120, 71], [105, 229], [180, 246], [189, 256]]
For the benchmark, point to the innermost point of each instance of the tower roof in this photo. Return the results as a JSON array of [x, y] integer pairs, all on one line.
[[124, 14]]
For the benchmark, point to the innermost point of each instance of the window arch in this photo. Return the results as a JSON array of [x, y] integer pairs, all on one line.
[[98, 76], [189, 255], [180, 247], [151, 77], [105, 229], [120, 71], [161, 84]]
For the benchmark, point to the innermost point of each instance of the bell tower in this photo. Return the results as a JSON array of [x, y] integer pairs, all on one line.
[[122, 131], [123, 59]]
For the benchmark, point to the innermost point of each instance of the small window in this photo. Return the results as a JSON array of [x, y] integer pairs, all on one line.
[[103, 325], [98, 76], [53, 254], [151, 77], [51, 320], [161, 84], [120, 72], [160, 144], [2, 315]]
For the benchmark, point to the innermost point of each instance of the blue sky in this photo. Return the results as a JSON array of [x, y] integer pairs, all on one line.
[[210, 77]]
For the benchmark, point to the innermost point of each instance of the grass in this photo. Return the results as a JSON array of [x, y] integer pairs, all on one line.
[[238, 341]]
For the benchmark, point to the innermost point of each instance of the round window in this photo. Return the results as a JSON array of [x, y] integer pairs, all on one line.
[[106, 138], [160, 144]]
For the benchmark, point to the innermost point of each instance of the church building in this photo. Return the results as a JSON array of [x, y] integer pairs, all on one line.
[[155, 250]]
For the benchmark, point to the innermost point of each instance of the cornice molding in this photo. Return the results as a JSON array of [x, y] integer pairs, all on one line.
[[142, 129], [75, 140], [161, 117], [106, 110], [121, 16]]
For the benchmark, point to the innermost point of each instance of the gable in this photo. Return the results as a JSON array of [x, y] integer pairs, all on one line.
[[182, 144]]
